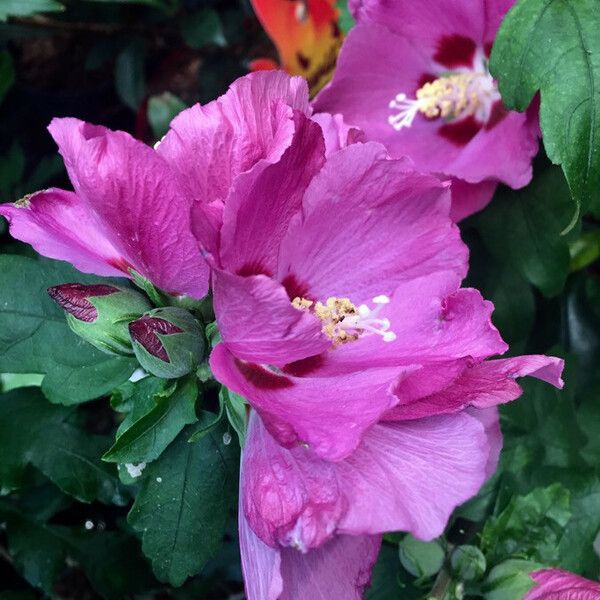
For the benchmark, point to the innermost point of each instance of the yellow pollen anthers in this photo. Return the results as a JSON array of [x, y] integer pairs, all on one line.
[[452, 96], [449, 97], [344, 322], [332, 313]]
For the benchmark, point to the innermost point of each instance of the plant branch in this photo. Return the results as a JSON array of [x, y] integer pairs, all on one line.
[[441, 585]]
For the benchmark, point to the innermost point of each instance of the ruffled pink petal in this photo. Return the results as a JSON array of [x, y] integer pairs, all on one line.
[[209, 146], [58, 225], [339, 570], [337, 133], [369, 223], [556, 584], [261, 564], [373, 67], [469, 198], [258, 211], [329, 415], [291, 497], [258, 323], [410, 476], [428, 21], [483, 385], [433, 326], [490, 419], [137, 204]]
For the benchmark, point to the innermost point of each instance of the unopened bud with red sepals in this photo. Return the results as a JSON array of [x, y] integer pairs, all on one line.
[[101, 313], [168, 342]]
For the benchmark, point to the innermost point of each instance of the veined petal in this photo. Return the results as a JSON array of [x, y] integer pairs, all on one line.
[[259, 209], [138, 205], [410, 476], [59, 225], [482, 385], [210, 145], [329, 415], [259, 324], [367, 224], [556, 584]]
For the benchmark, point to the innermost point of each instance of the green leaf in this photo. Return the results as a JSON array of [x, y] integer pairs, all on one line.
[[161, 411], [130, 75], [184, 504], [201, 28], [35, 338], [522, 228], [585, 250], [34, 432], [38, 553], [510, 580], [345, 20], [24, 8], [111, 559], [576, 545], [530, 526], [384, 579], [7, 73], [12, 381], [162, 109], [553, 46]]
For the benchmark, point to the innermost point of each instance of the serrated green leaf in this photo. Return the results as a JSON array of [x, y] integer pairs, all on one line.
[[24, 8], [184, 503], [510, 580], [553, 46], [35, 338], [34, 432], [576, 548], [529, 527], [160, 411], [522, 228]]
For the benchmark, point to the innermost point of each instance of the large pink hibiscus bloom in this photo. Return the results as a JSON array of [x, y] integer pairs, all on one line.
[[556, 584], [414, 76], [337, 294], [131, 206]]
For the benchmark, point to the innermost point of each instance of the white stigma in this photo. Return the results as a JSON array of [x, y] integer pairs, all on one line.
[[368, 322], [407, 111]]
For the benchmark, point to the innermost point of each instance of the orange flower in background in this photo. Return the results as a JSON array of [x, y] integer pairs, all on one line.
[[307, 37]]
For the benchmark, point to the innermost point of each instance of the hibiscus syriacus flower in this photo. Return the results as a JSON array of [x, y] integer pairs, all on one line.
[[555, 584], [337, 294], [414, 76]]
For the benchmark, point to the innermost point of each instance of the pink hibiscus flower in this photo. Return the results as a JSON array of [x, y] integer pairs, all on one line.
[[414, 76], [556, 584], [337, 294]]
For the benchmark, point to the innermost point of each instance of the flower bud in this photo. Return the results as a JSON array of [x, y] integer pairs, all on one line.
[[468, 563], [100, 313], [168, 342]]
